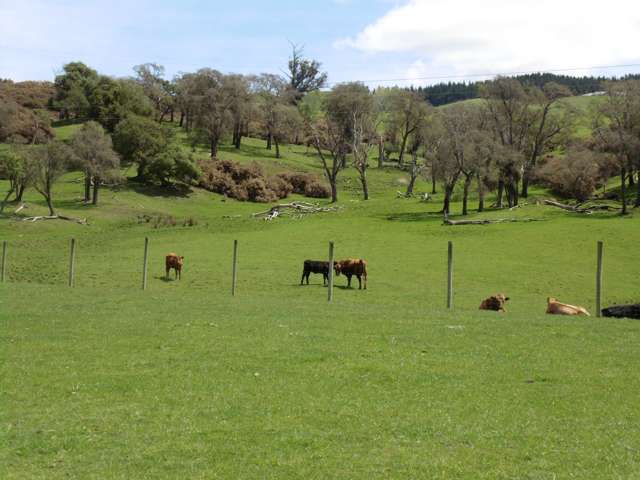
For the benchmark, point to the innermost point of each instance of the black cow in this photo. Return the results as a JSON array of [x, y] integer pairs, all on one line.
[[315, 266]]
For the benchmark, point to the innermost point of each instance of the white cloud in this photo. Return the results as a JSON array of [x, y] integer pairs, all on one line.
[[474, 37]]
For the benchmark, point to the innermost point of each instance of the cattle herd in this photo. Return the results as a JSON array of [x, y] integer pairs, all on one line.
[[358, 267]]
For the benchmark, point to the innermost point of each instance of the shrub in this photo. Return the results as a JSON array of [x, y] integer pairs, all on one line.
[[316, 189], [250, 183], [306, 184], [574, 176]]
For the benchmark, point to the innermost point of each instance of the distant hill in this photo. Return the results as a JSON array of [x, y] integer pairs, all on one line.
[[449, 92]]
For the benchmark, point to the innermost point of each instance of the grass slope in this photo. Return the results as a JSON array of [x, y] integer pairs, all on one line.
[[183, 381]]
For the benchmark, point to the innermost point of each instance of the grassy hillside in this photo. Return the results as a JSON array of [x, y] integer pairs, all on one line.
[[184, 381]]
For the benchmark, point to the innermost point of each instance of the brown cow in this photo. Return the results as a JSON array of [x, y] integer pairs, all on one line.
[[174, 261], [494, 302], [554, 307], [350, 267]]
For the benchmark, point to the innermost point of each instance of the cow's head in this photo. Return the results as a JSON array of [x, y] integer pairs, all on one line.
[[502, 298], [181, 260], [337, 267]]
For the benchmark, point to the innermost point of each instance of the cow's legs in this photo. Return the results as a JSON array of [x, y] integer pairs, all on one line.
[[365, 281], [348, 280], [325, 278], [302, 279], [359, 282], [167, 274]]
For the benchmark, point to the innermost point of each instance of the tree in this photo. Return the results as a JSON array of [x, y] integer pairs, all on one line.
[[113, 100], [161, 92], [408, 112], [139, 140], [73, 90], [214, 96], [273, 93], [45, 164], [510, 118], [172, 163], [350, 107], [304, 75], [13, 169], [547, 126], [617, 128], [331, 146], [93, 150], [240, 106]]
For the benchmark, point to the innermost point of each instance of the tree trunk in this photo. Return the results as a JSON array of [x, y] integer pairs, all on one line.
[[480, 194], [637, 204], [275, 141], [365, 185], [96, 188], [238, 139], [172, 115], [334, 189], [181, 119], [6, 199], [465, 194], [52, 210], [525, 184], [142, 166], [413, 174], [20, 192], [447, 199], [623, 189], [500, 194], [87, 187], [214, 148], [433, 180], [402, 147], [381, 153], [269, 141]]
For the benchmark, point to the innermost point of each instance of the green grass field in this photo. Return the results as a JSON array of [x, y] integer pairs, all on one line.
[[105, 381]]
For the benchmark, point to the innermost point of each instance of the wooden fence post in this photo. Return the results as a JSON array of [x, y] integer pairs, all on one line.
[[331, 259], [145, 263], [234, 275], [72, 262], [450, 275], [599, 281], [3, 266]]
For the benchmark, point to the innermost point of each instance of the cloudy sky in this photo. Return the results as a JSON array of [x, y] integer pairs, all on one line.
[[378, 41]]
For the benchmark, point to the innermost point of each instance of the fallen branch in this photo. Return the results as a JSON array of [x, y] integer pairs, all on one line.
[[298, 208], [81, 221], [569, 208], [20, 208], [487, 222]]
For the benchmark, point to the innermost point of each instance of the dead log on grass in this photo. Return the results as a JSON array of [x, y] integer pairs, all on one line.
[[294, 208], [81, 221], [489, 222]]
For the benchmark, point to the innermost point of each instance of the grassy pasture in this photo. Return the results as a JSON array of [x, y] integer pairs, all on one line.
[[183, 381]]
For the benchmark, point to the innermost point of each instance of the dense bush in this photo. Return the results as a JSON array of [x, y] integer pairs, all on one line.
[[575, 175], [250, 183], [306, 184]]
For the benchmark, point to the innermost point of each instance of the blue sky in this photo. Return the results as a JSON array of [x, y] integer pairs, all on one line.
[[354, 39]]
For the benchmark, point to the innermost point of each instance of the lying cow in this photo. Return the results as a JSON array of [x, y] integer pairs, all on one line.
[[174, 261], [554, 307], [315, 266], [622, 311], [351, 267], [494, 302]]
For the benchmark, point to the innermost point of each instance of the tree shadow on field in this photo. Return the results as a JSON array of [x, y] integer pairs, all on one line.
[[414, 216], [173, 190]]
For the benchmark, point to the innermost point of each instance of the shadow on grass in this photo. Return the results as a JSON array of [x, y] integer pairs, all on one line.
[[166, 279], [167, 191]]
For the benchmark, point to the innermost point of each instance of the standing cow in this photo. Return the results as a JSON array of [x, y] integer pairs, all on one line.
[[315, 266], [174, 261], [351, 267]]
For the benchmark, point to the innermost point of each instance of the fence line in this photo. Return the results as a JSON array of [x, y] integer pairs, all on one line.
[[331, 275]]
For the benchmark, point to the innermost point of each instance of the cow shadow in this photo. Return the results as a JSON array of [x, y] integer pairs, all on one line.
[[165, 279]]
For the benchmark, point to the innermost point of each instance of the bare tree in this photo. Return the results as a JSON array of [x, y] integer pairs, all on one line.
[[93, 150], [332, 147], [45, 165], [408, 111], [617, 127]]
